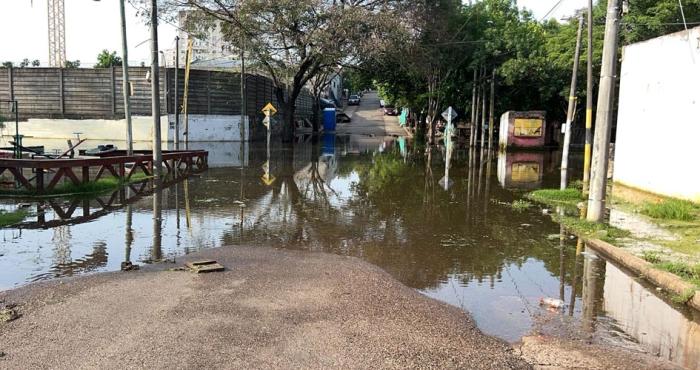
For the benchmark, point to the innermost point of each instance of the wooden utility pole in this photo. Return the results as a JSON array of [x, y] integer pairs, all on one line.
[[492, 107], [176, 106], [472, 125], [155, 92], [572, 106], [589, 104], [604, 116], [126, 91]]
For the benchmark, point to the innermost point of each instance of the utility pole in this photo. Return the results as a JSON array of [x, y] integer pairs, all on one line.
[[477, 112], [155, 93], [492, 107], [483, 110], [176, 105], [604, 116], [126, 90], [472, 126], [589, 104], [572, 107], [244, 103]]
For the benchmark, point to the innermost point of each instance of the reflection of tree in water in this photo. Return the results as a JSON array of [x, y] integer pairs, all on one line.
[[397, 219]]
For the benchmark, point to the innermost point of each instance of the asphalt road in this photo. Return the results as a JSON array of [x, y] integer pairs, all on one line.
[[269, 309], [369, 119]]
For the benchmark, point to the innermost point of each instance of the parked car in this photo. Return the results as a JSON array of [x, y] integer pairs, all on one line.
[[390, 110], [354, 100]]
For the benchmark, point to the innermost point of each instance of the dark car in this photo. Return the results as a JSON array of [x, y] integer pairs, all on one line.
[[390, 110], [354, 100]]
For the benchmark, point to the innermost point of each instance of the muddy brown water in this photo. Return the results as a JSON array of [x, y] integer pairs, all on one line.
[[456, 239]]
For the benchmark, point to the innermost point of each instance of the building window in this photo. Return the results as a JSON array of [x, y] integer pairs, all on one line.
[[524, 127]]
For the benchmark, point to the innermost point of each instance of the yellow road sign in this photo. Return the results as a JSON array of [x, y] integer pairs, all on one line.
[[269, 109], [268, 179]]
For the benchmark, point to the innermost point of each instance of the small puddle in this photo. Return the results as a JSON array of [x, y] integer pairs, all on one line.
[[451, 233]]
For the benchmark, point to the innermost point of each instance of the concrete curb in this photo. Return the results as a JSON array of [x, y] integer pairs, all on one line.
[[663, 279]]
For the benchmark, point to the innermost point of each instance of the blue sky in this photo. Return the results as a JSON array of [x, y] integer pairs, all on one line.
[[92, 26]]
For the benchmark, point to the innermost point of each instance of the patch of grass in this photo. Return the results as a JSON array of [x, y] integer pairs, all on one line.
[[11, 218], [93, 187], [520, 205], [556, 197], [651, 256], [671, 209], [684, 297], [576, 184], [685, 271], [592, 230]]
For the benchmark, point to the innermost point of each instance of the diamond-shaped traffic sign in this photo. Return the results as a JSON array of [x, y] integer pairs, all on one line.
[[269, 109], [449, 114]]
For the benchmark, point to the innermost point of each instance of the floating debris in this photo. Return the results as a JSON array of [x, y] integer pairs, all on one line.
[[552, 303], [8, 312], [128, 266], [204, 266]]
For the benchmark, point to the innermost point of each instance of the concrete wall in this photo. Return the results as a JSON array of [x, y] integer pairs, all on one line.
[[93, 129], [203, 128], [658, 126], [209, 128]]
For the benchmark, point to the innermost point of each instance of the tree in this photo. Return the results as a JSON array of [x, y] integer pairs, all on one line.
[[36, 63], [72, 64], [106, 59], [25, 63], [7, 64], [293, 41]]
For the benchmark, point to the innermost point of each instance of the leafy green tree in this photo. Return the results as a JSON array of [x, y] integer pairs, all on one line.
[[7, 64], [36, 63], [293, 41], [106, 59], [24, 63], [72, 64]]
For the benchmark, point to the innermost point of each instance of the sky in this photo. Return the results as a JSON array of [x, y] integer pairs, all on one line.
[[92, 26]]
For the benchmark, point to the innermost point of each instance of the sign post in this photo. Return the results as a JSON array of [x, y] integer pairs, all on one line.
[[269, 110], [449, 114]]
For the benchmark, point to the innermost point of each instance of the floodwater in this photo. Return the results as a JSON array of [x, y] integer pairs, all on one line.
[[456, 238]]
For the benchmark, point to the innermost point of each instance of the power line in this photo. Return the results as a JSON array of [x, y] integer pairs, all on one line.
[[552, 10]]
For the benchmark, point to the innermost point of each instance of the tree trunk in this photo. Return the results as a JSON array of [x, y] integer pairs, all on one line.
[[316, 108]]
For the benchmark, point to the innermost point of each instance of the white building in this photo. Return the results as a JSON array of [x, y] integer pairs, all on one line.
[[209, 51], [658, 125]]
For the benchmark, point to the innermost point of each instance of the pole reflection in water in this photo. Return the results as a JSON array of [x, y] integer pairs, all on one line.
[[156, 251], [592, 294]]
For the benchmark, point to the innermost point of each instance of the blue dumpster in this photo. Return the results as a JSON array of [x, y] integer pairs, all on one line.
[[329, 119]]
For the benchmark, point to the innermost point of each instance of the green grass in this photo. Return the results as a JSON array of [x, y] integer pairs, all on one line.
[[11, 218], [685, 271], [671, 209], [592, 230], [684, 297], [568, 197], [520, 205], [92, 187], [651, 256]]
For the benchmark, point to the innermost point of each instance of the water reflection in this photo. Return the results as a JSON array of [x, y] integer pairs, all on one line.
[[378, 199]]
